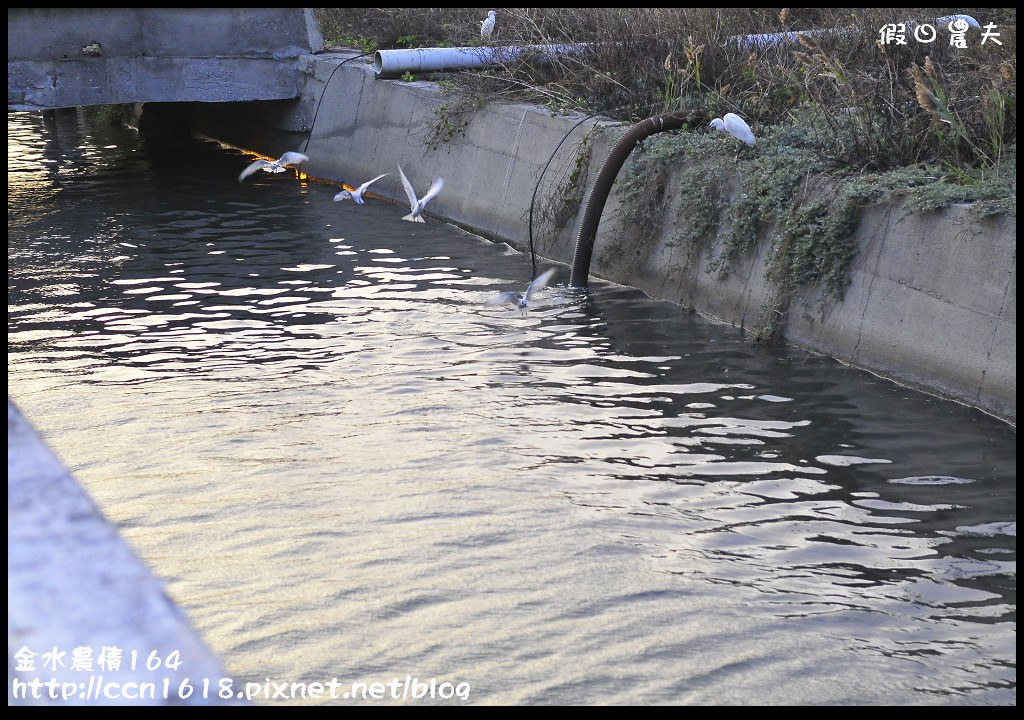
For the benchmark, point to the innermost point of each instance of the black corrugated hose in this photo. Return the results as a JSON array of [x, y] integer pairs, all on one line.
[[606, 177]]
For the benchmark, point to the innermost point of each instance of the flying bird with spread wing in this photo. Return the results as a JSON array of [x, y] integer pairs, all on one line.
[[357, 194], [418, 205], [273, 166], [522, 301]]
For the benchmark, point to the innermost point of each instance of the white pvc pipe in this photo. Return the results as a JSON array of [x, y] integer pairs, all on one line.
[[393, 63], [770, 39]]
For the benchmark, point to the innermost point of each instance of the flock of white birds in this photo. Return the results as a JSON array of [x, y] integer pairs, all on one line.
[[730, 122], [290, 159]]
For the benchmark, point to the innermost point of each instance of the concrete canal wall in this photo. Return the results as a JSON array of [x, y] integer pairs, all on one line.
[[932, 302]]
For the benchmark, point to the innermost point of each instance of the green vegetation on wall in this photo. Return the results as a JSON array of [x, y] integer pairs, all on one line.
[[842, 119]]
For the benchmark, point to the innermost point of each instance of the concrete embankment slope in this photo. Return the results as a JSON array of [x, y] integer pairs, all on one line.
[[87, 622], [932, 301]]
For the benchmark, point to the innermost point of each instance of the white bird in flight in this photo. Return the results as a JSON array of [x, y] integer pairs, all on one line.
[[418, 205], [487, 26], [357, 194], [521, 301], [273, 166], [734, 124]]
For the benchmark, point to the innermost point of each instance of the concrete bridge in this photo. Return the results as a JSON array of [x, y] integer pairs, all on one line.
[[72, 57]]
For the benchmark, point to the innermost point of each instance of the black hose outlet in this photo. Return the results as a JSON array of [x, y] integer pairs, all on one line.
[[606, 177]]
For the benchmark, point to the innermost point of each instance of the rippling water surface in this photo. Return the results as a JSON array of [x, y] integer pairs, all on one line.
[[343, 464]]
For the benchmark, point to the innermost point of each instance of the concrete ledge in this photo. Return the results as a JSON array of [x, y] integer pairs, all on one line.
[[73, 583], [114, 81], [62, 33], [70, 57]]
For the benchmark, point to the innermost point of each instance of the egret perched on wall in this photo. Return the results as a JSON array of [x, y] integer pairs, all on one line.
[[273, 166], [735, 125], [487, 26]]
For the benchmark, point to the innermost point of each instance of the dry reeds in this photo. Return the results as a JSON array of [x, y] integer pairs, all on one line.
[[867, 105]]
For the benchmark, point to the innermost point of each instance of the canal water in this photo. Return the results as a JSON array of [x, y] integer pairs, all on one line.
[[343, 464]]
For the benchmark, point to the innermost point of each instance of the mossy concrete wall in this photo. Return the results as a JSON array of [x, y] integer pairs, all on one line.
[[932, 302]]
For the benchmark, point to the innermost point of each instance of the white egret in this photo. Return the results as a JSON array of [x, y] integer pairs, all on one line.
[[418, 205], [357, 194], [487, 26], [735, 125], [273, 166], [521, 301]]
